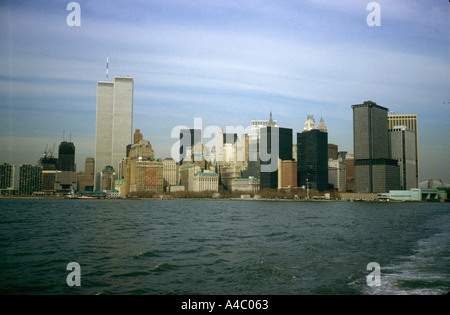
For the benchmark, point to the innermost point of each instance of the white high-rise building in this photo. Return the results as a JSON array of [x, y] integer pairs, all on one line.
[[258, 124], [114, 121]]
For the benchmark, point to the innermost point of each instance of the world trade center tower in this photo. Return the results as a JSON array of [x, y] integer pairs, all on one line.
[[114, 121]]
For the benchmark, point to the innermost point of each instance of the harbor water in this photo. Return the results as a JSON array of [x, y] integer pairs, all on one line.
[[222, 247]]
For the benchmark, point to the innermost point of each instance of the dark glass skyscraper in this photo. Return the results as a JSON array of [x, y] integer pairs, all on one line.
[[268, 146], [66, 156], [312, 159]]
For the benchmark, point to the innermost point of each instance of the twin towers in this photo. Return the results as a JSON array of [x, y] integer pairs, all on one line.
[[114, 122]]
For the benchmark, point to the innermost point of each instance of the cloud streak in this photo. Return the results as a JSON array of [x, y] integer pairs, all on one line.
[[228, 61]]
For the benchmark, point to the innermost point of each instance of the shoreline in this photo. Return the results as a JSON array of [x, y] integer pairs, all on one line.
[[227, 199]]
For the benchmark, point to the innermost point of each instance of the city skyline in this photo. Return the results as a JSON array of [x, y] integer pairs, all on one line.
[[227, 62]]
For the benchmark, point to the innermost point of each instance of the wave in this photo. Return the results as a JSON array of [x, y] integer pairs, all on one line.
[[152, 253], [424, 272]]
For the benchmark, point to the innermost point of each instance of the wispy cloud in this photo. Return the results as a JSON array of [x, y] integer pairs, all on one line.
[[229, 61]]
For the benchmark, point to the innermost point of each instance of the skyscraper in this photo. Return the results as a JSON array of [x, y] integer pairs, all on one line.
[[66, 157], [374, 170], [275, 143], [410, 121], [188, 139], [30, 179], [85, 181], [113, 122], [312, 156], [258, 124], [403, 149], [7, 174]]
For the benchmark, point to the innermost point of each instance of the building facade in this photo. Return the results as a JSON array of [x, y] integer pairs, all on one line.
[[403, 149], [205, 181], [349, 172], [312, 157], [410, 122], [275, 143], [337, 174], [30, 180], [287, 174], [114, 121], [7, 176], [332, 151], [66, 157], [188, 139], [374, 170], [149, 177], [85, 181], [137, 136], [245, 185], [169, 173]]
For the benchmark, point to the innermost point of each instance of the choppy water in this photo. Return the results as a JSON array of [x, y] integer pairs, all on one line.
[[223, 247]]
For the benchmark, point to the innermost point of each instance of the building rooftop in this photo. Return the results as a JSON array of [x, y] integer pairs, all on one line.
[[245, 179], [206, 173], [370, 104]]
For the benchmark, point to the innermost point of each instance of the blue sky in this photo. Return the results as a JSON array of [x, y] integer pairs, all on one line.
[[228, 62]]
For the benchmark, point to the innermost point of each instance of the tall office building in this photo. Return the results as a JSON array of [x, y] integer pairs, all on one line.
[[374, 170], [7, 175], [403, 149], [66, 157], [85, 181], [258, 124], [169, 173], [30, 180], [349, 172], [410, 121], [275, 143], [252, 147], [332, 151], [312, 156], [48, 162], [336, 171], [49, 166], [113, 122], [287, 174], [188, 139]]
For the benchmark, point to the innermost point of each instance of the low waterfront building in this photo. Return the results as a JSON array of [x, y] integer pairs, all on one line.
[[414, 194], [246, 185], [230, 171], [120, 187], [176, 188], [205, 181], [112, 194], [65, 180]]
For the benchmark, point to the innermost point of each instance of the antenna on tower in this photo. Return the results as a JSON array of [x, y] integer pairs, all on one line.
[[107, 64]]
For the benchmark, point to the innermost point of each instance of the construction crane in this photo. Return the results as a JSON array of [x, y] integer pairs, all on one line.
[[442, 184]]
